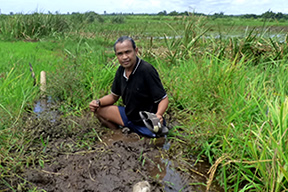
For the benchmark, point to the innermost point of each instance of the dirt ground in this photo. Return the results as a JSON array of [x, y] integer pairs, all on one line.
[[79, 155], [114, 165]]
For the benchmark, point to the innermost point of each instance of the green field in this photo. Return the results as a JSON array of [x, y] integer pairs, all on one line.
[[229, 93]]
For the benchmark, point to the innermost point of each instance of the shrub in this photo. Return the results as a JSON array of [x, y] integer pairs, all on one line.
[[118, 19]]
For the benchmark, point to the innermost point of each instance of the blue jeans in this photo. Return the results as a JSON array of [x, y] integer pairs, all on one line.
[[141, 130]]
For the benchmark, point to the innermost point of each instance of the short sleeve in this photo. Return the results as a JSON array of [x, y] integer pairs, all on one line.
[[156, 88], [116, 85]]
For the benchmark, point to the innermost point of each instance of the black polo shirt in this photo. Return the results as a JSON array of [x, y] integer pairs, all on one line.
[[141, 92]]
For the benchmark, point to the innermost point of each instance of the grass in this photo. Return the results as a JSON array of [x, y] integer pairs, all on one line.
[[227, 101], [16, 80], [229, 93]]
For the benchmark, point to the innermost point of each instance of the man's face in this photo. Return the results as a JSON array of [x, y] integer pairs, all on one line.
[[126, 55]]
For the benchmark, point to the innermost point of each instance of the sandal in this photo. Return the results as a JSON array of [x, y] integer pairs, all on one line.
[[153, 123]]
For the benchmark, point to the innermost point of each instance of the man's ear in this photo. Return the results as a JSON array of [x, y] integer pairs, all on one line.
[[136, 50]]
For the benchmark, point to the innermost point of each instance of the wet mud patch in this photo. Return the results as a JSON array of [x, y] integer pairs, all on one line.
[[78, 154], [116, 163], [116, 167]]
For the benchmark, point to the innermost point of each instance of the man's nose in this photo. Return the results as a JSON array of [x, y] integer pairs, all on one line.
[[125, 55]]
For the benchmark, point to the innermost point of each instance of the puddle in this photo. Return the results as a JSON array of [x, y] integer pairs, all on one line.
[[117, 135], [165, 169], [43, 108], [172, 179]]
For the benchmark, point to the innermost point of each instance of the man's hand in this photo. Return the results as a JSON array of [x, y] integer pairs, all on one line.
[[103, 101], [162, 108], [94, 105], [160, 117]]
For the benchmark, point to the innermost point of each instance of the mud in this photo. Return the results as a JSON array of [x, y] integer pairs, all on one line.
[[77, 154]]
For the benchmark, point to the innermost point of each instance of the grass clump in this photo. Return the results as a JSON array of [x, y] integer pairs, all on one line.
[[32, 27]]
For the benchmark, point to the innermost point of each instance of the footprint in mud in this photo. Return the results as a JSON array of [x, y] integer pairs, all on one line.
[[37, 177]]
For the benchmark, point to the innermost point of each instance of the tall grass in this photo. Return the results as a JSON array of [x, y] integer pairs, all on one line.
[[32, 27], [88, 68], [236, 107], [230, 93], [234, 113]]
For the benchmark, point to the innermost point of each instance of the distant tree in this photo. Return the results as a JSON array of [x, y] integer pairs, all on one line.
[[11, 13], [186, 13], [248, 16], [173, 13], [268, 15], [218, 15], [279, 16], [162, 12]]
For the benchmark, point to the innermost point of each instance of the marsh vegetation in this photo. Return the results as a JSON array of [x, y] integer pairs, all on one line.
[[228, 95]]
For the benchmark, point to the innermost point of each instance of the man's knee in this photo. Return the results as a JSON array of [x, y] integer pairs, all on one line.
[[109, 113], [99, 113]]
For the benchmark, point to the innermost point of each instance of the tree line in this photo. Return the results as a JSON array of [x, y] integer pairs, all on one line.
[[266, 15]]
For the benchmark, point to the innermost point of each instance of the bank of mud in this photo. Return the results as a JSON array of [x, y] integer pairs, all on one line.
[[78, 154]]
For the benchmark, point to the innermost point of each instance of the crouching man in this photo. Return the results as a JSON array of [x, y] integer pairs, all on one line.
[[142, 92]]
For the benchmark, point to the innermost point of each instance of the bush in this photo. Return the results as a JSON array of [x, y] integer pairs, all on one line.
[[118, 19]]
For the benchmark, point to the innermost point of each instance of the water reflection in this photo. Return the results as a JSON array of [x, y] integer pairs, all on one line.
[[43, 109]]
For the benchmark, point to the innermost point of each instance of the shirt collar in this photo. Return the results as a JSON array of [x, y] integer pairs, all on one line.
[[138, 60]]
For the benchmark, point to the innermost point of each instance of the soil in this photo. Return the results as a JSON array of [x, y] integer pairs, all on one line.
[[76, 154]]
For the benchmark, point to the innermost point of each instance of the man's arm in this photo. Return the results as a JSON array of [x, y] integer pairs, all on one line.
[[162, 106], [108, 99], [104, 101]]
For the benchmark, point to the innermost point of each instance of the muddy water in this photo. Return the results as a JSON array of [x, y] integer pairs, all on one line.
[[164, 169], [44, 109]]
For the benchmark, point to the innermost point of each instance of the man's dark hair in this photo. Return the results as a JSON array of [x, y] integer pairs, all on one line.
[[122, 39]]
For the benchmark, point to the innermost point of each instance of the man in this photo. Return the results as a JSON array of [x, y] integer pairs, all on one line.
[[140, 87]]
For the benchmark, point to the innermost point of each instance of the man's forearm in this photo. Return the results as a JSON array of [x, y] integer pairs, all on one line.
[[108, 99], [163, 105]]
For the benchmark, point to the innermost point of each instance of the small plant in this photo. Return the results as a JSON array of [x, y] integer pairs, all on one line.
[[44, 143]]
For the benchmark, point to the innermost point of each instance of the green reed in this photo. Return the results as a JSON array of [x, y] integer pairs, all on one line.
[[233, 112], [31, 27], [87, 67], [234, 104], [229, 94]]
